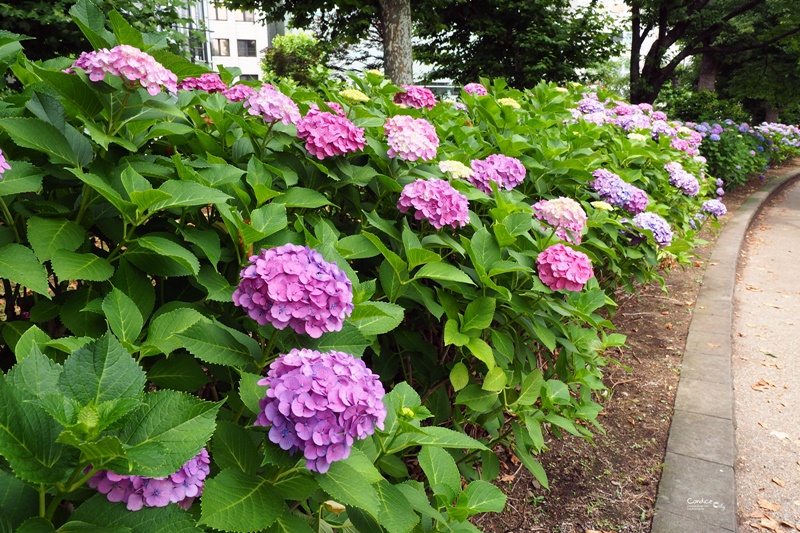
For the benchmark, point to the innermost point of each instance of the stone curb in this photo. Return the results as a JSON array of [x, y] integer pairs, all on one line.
[[697, 491]]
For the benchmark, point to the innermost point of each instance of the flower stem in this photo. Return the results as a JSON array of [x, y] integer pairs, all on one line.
[[9, 219]]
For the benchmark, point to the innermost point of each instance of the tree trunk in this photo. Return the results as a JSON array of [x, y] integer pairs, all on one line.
[[397, 57], [772, 113], [709, 65], [636, 49]]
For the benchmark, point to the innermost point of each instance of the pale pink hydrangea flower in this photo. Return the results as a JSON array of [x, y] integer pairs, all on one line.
[[455, 169], [475, 89], [273, 106], [435, 201], [129, 63], [328, 135], [565, 215], [208, 82], [239, 92], [507, 172], [411, 138], [3, 164], [561, 267], [415, 96]]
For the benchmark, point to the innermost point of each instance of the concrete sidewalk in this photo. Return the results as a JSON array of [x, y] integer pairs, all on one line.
[[697, 492]]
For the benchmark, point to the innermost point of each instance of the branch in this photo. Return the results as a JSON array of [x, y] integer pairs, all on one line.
[[736, 49]]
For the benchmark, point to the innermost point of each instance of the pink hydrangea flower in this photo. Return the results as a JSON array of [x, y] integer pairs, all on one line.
[[294, 286], [561, 267], [415, 96], [129, 63], [565, 215], [208, 82], [320, 403], [680, 144], [507, 172], [3, 164], [475, 89], [435, 201], [411, 138], [658, 115], [327, 134], [273, 106], [239, 92]]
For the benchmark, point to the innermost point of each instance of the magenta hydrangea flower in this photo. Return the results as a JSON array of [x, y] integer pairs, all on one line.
[[129, 63], [655, 223], [328, 135], [475, 89], [435, 201], [561, 267], [273, 106], [3, 164], [136, 492], [565, 215], [714, 207], [208, 82], [411, 138], [320, 403], [239, 92], [415, 96], [294, 286], [507, 172]]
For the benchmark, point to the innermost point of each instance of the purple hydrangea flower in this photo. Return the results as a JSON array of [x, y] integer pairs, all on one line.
[[618, 192], [638, 202], [719, 182], [685, 182], [129, 63], [714, 207], [721, 191], [565, 215], [328, 135], [475, 89], [294, 286], [435, 201], [320, 403], [590, 104], [136, 492], [239, 92], [647, 108], [561, 267], [208, 82], [658, 115], [507, 172], [714, 137], [273, 106], [680, 144], [3, 164], [633, 121], [411, 138], [660, 227], [415, 96]]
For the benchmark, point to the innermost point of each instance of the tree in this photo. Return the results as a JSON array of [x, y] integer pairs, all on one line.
[[693, 27], [519, 40]]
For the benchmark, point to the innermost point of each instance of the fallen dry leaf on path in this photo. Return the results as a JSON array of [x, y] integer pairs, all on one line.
[[762, 385], [752, 288], [768, 505], [775, 306], [712, 345], [506, 478], [769, 523], [779, 482]]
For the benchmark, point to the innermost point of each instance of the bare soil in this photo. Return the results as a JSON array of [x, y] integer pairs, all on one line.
[[611, 484]]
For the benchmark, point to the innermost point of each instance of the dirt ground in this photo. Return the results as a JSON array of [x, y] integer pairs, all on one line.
[[612, 485]]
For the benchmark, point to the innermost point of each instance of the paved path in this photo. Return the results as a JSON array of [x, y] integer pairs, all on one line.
[[697, 492]]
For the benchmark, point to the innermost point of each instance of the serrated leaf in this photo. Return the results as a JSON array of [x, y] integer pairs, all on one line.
[[172, 250], [443, 272], [236, 501], [479, 497], [348, 340], [18, 500], [136, 285], [441, 471], [232, 448], [29, 341], [453, 336], [531, 388], [99, 511], [188, 194], [19, 264], [477, 399], [479, 314], [101, 185], [36, 374], [73, 88], [209, 342], [345, 485], [46, 235], [92, 23], [288, 523], [22, 177], [43, 137], [207, 240], [124, 32], [250, 391], [79, 266], [437, 436], [164, 329], [394, 515], [180, 372], [301, 197], [376, 318], [219, 290], [123, 316], [98, 452], [363, 465], [533, 466]]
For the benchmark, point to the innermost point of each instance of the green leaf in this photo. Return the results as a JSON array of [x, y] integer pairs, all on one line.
[[123, 316], [479, 497], [251, 392], [97, 452], [232, 447], [43, 137], [73, 88], [207, 240], [531, 388], [441, 470], [557, 392], [362, 464], [288, 523], [35, 374], [136, 285], [77, 266], [91, 21], [180, 372], [348, 340], [393, 515], [477, 399], [437, 436], [544, 335], [495, 379], [179, 66], [101, 371], [126, 208], [533, 466], [356, 247], [99, 511], [172, 250], [219, 290], [268, 219], [481, 349], [301, 197], [453, 336], [211, 343], [376, 318], [46, 235], [19, 264], [345, 485], [22, 177], [443, 272], [188, 194], [236, 501], [29, 342], [18, 500], [124, 32], [479, 314], [459, 376], [162, 335]]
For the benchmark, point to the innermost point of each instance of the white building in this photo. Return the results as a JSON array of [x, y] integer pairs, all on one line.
[[233, 38]]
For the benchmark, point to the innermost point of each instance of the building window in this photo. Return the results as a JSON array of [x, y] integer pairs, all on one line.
[[220, 47], [246, 47], [218, 12], [244, 16], [249, 77]]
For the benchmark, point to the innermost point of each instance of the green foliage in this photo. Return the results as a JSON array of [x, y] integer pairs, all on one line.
[[687, 104], [296, 56]]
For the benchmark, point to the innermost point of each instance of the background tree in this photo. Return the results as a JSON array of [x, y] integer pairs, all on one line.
[[299, 56]]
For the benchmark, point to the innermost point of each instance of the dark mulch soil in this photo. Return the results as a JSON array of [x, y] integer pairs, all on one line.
[[611, 485]]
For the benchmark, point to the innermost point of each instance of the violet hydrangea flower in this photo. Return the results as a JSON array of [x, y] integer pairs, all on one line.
[[238, 92], [565, 215], [682, 179], [327, 134], [561, 267], [129, 63], [415, 96], [618, 192], [208, 82], [655, 223], [320, 403], [435, 201], [136, 492], [714, 207], [475, 89], [507, 172], [294, 286], [3, 164], [411, 138], [273, 106]]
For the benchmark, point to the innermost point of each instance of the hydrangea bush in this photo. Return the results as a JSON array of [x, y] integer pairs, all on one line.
[[349, 298]]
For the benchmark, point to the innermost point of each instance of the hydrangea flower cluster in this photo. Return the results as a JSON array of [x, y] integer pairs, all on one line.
[[273, 106], [590, 104], [182, 487], [411, 138], [507, 172], [714, 207], [239, 92], [354, 95], [435, 201], [561, 267], [565, 215], [328, 135], [508, 102], [660, 227], [475, 89], [415, 96], [129, 63], [618, 192], [208, 82], [294, 286], [320, 403], [682, 179], [3, 164], [455, 169]]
